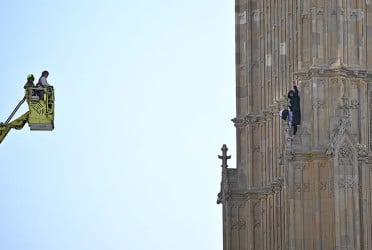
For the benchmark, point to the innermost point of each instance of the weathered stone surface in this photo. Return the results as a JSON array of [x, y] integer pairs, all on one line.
[[313, 192]]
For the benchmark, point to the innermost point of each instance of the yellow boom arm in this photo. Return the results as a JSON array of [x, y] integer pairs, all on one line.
[[16, 124]]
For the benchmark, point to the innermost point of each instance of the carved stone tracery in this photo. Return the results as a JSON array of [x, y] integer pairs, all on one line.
[[238, 224], [319, 104], [346, 155], [347, 183]]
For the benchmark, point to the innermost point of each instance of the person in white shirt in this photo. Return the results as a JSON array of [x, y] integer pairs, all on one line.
[[286, 114], [43, 80], [43, 83]]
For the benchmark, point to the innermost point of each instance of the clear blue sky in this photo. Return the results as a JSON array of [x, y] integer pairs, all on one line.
[[145, 91]]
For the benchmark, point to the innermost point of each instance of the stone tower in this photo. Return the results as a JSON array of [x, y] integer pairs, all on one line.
[[313, 192]]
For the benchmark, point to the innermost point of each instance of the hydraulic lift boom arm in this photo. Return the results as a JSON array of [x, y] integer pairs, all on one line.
[[18, 123]]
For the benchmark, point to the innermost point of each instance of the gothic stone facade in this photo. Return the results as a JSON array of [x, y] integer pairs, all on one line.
[[313, 192]]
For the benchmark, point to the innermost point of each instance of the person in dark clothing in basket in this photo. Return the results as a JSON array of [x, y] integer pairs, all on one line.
[[294, 106], [30, 81]]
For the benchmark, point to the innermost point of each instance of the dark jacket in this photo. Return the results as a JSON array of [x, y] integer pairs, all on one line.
[[294, 105], [29, 84]]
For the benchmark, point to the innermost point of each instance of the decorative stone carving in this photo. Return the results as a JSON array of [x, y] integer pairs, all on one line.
[[323, 185], [316, 12], [239, 122], [237, 204], [345, 107], [355, 83], [224, 157], [362, 150], [334, 80], [304, 17], [345, 155], [337, 132], [256, 15], [341, 11], [242, 17], [257, 224], [354, 104], [331, 72], [289, 154], [238, 224], [305, 84], [225, 192], [299, 167], [301, 187], [318, 104], [355, 14], [347, 183], [344, 124]]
